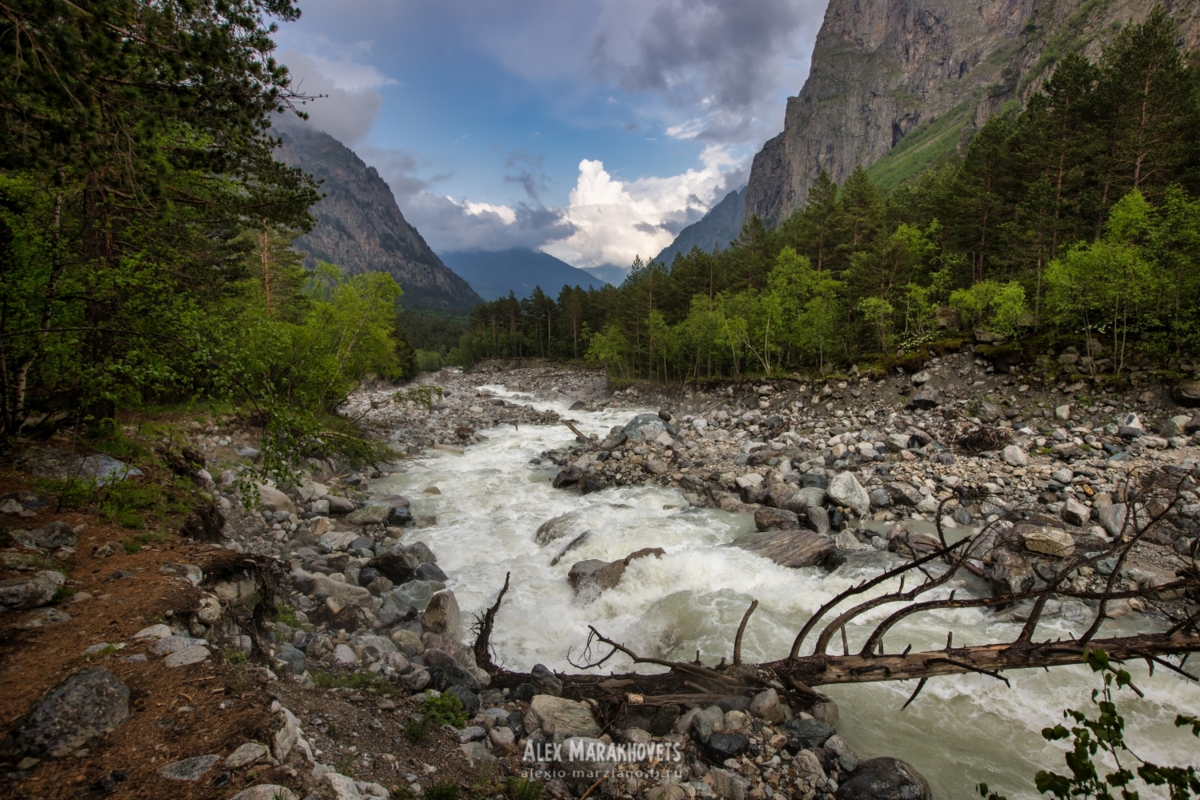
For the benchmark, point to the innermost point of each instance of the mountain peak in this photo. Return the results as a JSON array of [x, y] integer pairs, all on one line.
[[361, 229]]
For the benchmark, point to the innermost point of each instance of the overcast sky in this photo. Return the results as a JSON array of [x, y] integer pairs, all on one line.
[[592, 129]]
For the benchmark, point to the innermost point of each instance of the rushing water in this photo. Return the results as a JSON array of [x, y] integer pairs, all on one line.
[[960, 731]]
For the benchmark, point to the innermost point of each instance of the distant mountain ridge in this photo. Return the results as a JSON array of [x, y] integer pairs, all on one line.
[[716, 229], [360, 227], [495, 273]]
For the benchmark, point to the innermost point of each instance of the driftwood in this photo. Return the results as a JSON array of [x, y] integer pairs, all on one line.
[[933, 566]]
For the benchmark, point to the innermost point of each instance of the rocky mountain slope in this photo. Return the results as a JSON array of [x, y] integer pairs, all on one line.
[[360, 227], [900, 84], [716, 229], [496, 273]]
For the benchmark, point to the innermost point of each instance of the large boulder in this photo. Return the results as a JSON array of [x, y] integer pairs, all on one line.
[[556, 528], [443, 616], [794, 549], [1049, 541], [776, 519], [645, 426], [926, 399], [884, 779], [560, 718], [846, 491], [371, 514], [593, 575], [85, 706], [396, 564], [274, 500], [30, 591]]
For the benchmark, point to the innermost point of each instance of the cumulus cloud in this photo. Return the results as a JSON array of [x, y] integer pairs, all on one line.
[[346, 94], [615, 221]]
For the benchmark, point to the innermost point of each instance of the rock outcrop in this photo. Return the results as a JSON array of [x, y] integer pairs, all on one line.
[[909, 80], [360, 227]]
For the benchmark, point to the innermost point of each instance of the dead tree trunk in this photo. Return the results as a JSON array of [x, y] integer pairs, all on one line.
[[935, 563]]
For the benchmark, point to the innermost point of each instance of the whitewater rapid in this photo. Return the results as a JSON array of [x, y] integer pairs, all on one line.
[[960, 731]]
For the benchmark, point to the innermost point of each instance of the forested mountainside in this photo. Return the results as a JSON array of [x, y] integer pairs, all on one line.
[[899, 85], [1072, 224], [360, 228], [714, 231]]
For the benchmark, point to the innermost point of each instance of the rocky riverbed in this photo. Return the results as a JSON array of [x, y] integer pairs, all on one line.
[[374, 576]]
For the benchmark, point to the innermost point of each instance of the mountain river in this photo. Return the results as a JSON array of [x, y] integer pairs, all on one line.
[[960, 731]]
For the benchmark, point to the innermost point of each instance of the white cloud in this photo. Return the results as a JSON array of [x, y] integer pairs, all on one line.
[[615, 221], [506, 214], [347, 99]]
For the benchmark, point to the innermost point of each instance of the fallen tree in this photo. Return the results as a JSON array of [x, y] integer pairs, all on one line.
[[986, 557]]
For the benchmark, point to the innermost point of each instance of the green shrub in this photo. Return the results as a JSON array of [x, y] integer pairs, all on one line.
[[444, 790], [523, 788], [446, 709]]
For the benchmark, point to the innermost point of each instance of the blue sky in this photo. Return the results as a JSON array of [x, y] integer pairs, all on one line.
[[591, 129]]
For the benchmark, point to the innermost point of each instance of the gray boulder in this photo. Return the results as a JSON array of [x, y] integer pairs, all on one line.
[[794, 549], [845, 490], [560, 718], [30, 591], [645, 426], [442, 615], [775, 519], [85, 706], [371, 514], [884, 779]]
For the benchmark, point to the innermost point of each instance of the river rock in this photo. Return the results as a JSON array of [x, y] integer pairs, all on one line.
[[274, 500], [805, 734], [556, 528], [339, 505], [545, 680], [414, 595], [371, 514], [884, 779], [86, 705], [775, 519], [30, 591], [729, 785], [568, 476], [1175, 426], [442, 615], [645, 426], [794, 549], [926, 399], [189, 769], [1014, 456], [397, 564], [766, 705], [726, 745], [560, 718], [903, 493], [1076, 513], [585, 759], [1116, 519], [846, 491], [1049, 541]]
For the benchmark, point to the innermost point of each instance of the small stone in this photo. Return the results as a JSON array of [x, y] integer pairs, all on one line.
[[343, 655], [189, 769], [248, 753], [1014, 456], [183, 658]]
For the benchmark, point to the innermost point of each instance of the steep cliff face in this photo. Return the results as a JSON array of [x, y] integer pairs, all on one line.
[[909, 80], [360, 227]]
